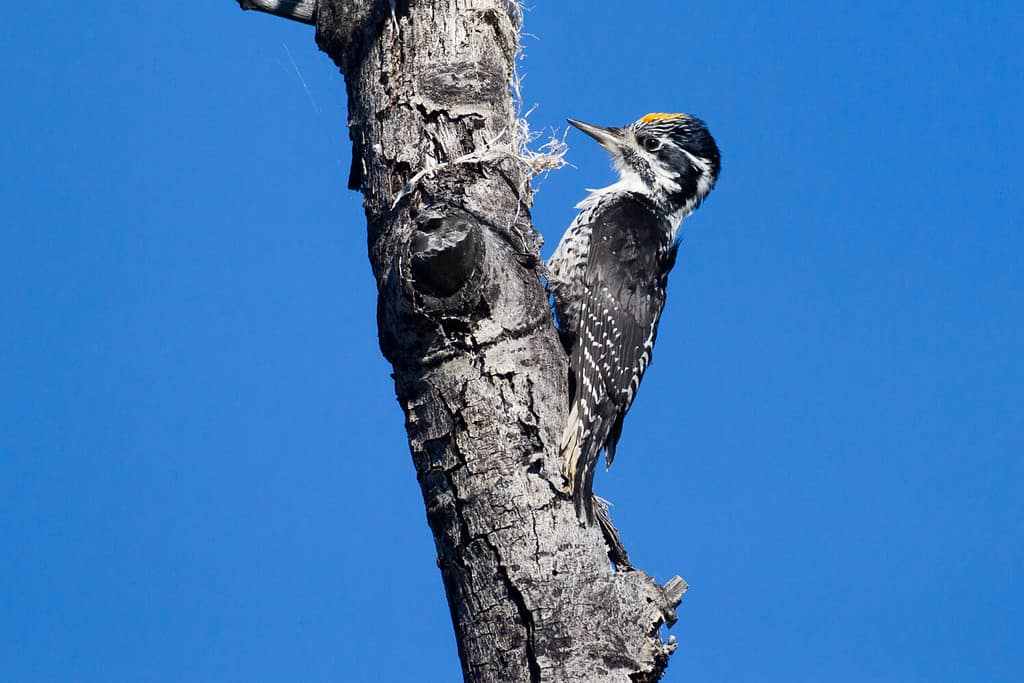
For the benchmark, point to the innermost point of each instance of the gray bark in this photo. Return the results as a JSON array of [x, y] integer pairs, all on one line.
[[478, 368]]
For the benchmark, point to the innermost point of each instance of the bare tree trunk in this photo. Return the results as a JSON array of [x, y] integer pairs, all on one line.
[[478, 368]]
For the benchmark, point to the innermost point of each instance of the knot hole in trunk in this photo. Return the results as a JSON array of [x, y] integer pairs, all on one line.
[[445, 254]]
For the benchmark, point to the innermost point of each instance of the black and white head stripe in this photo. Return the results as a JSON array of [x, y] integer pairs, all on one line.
[[671, 158]]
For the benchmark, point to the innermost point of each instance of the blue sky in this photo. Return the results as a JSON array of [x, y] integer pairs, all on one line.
[[203, 471]]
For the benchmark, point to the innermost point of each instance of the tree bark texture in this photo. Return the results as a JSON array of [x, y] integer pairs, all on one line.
[[478, 367]]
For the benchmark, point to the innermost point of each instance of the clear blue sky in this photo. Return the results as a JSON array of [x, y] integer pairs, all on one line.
[[203, 471]]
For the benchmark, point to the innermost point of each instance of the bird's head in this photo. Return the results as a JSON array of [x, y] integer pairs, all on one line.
[[670, 157]]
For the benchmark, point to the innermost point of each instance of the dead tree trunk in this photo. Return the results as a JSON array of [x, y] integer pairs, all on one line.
[[478, 368]]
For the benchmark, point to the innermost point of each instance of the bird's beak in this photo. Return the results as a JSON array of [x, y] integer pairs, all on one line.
[[609, 138]]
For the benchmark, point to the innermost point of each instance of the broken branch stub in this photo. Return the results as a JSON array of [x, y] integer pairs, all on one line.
[[303, 11]]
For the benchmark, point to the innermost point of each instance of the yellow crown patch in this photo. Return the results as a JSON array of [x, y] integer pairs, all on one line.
[[651, 118]]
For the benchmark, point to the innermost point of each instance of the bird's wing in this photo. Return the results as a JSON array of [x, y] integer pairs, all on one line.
[[617, 327]]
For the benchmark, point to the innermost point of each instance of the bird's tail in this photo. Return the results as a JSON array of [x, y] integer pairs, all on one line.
[[580, 446], [569, 447]]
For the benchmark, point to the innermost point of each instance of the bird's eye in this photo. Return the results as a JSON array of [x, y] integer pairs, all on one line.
[[651, 144]]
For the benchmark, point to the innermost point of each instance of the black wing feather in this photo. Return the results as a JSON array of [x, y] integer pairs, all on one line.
[[625, 283]]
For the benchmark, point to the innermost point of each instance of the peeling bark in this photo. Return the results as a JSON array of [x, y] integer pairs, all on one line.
[[479, 370]]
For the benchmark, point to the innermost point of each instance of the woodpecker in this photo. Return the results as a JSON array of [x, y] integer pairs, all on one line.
[[608, 277]]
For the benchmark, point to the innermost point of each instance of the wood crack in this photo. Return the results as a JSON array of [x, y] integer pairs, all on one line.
[[524, 613]]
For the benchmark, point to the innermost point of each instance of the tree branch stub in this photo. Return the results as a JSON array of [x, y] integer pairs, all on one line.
[[303, 11]]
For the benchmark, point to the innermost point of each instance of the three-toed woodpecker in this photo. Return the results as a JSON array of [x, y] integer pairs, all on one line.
[[608, 277]]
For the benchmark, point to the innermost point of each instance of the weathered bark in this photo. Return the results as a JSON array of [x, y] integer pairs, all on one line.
[[478, 368]]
